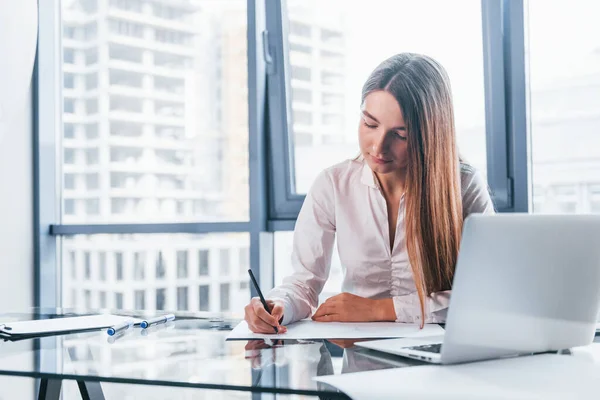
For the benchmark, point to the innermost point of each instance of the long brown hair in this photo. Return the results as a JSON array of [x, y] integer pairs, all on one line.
[[433, 194]]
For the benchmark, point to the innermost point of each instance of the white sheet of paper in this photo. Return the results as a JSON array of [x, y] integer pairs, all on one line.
[[546, 376], [309, 329], [63, 324]]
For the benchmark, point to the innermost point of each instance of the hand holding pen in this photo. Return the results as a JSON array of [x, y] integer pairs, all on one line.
[[262, 315]]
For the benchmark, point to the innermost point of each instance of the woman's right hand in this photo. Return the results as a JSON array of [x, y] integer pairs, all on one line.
[[259, 320]]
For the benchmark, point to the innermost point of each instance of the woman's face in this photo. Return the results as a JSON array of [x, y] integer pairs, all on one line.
[[382, 133]]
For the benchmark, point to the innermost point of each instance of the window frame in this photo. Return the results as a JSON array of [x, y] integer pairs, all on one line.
[[506, 110], [47, 148]]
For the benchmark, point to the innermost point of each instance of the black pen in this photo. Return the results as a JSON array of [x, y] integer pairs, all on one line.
[[262, 298]]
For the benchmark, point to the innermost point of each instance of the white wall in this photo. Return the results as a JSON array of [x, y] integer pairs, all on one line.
[[16, 237]]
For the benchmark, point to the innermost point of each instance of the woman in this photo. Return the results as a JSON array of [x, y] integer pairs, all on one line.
[[397, 210]]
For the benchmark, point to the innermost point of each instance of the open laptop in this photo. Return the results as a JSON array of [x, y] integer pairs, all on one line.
[[523, 284]]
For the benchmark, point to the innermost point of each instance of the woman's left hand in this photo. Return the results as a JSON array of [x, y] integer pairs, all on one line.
[[346, 307]]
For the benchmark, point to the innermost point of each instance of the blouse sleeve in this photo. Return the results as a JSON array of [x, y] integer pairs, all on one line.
[[314, 235]]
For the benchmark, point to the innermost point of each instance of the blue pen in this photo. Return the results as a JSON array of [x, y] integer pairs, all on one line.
[[123, 326], [158, 320]]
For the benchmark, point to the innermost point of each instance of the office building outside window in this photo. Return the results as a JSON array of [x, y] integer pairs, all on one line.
[[160, 266], [102, 266], [102, 299], [119, 266], [182, 298], [225, 296], [224, 262], [88, 265], [160, 299], [203, 269], [182, 264], [155, 129], [139, 266], [204, 298], [140, 299], [119, 301]]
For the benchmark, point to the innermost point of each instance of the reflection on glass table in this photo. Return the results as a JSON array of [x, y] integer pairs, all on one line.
[[190, 352]]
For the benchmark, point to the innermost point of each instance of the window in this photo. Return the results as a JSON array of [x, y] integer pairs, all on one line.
[[303, 118], [91, 82], [92, 206], [139, 266], [119, 266], [69, 156], [87, 265], [68, 56], [102, 265], [91, 131], [69, 182], [69, 208], [73, 258], [91, 181], [140, 299], [160, 266], [91, 56], [204, 298], [68, 131], [224, 262], [69, 106], [243, 285], [300, 29], [301, 73], [182, 264], [564, 100], [172, 56], [172, 37], [102, 299], [125, 28], [91, 156], [182, 298], [303, 96], [118, 301], [244, 260], [127, 5], [68, 81], [160, 299], [87, 299], [203, 263], [224, 296], [127, 257], [341, 35]]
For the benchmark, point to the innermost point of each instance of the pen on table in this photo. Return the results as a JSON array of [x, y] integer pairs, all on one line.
[[123, 326], [158, 320], [156, 328], [262, 298]]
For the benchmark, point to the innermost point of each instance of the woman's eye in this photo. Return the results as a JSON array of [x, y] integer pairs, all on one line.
[[369, 126], [400, 136]]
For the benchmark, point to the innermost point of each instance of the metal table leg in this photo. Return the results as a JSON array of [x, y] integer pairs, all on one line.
[[90, 390], [50, 389]]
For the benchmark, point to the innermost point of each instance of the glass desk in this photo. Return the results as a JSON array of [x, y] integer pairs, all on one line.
[[190, 352]]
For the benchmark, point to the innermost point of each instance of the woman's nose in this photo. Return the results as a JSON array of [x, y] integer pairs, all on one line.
[[379, 144]]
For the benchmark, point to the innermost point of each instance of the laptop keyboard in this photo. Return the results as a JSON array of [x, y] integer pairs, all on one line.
[[431, 348]]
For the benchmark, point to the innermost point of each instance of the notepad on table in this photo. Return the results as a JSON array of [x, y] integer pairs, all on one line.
[[309, 329], [44, 327]]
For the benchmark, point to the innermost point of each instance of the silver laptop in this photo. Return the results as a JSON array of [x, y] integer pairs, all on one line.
[[523, 284]]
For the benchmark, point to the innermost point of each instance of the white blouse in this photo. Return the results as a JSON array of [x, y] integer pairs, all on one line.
[[346, 200]]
